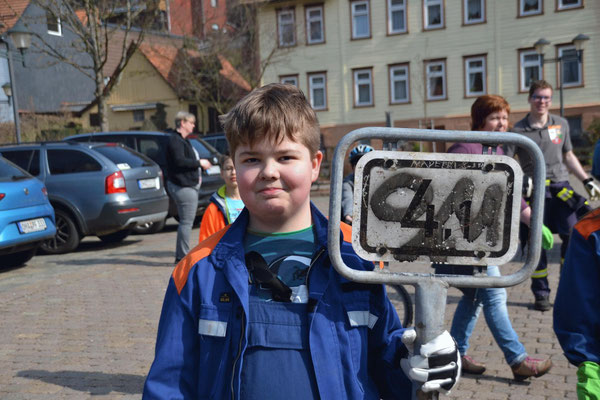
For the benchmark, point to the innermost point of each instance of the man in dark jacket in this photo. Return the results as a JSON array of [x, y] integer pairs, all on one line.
[[183, 178]]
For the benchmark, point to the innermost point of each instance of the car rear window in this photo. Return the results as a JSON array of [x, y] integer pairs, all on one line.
[[29, 160], [10, 172], [69, 161], [204, 151], [123, 155]]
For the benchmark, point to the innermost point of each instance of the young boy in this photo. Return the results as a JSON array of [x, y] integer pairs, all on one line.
[[256, 311], [348, 183], [225, 204], [577, 305]]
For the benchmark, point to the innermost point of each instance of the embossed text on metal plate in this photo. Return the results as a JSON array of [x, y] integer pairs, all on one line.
[[433, 207]]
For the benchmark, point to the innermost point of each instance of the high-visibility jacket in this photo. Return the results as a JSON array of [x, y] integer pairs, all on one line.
[[215, 216]]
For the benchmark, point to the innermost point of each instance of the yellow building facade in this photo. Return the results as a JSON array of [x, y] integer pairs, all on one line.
[[142, 95], [425, 61]]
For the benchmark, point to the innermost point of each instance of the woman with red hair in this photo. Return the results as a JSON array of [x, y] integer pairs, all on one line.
[[490, 113]]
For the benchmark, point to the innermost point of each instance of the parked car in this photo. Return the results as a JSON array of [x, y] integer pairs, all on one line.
[[26, 216], [154, 145], [218, 141], [95, 188]]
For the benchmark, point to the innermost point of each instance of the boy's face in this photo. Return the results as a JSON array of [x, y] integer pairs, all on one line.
[[274, 181], [228, 174]]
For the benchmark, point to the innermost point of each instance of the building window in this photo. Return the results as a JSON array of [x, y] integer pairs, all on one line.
[[94, 119], [363, 87], [361, 27], [315, 32], [568, 4], [399, 84], [286, 27], [213, 3], [571, 67], [138, 115], [289, 80], [530, 68], [436, 79], [53, 23], [396, 16], [576, 130], [433, 14], [317, 89], [530, 7], [475, 76], [473, 11]]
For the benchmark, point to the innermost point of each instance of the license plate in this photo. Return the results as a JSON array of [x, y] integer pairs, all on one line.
[[150, 183], [32, 225], [424, 207]]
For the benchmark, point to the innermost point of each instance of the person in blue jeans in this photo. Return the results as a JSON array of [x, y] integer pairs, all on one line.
[[490, 113]]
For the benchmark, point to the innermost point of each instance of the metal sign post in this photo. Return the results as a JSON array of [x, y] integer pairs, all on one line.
[[448, 208]]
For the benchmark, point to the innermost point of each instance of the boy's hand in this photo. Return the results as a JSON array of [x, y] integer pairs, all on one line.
[[438, 365]]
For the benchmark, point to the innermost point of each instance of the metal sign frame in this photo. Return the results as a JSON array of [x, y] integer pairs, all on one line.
[[397, 134], [431, 290], [414, 206]]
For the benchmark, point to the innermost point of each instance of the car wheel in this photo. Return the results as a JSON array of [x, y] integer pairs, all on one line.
[[67, 236], [17, 259], [115, 237], [150, 227]]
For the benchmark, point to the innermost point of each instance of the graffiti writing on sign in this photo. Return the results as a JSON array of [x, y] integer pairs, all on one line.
[[431, 232]]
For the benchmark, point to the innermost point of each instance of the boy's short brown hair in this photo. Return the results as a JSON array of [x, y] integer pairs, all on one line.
[[273, 112], [541, 84]]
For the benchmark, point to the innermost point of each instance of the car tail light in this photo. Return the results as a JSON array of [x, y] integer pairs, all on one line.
[[2, 195], [128, 210], [115, 183], [45, 191]]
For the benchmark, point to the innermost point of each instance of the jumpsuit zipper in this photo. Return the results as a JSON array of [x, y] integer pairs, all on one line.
[[237, 358]]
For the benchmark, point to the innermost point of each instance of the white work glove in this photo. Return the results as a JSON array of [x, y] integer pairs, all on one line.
[[438, 366], [592, 188], [527, 186]]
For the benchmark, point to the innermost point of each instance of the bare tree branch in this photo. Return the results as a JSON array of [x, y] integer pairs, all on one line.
[[104, 30]]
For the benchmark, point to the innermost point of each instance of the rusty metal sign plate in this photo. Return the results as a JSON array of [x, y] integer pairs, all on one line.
[[433, 207]]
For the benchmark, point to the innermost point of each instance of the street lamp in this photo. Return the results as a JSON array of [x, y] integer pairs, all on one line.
[[578, 42], [21, 39]]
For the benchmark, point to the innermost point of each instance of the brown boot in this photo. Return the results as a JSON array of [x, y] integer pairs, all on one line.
[[531, 367], [471, 366]]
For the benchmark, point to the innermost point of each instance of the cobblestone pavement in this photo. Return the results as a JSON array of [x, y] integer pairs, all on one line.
[[83, 325]]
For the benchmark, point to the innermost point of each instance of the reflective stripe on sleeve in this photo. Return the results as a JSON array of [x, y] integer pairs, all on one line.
[[212, 328], [362, 318]]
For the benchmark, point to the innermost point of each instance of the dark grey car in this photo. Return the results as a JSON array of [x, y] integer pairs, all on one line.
[[95, 188], [154, 145]]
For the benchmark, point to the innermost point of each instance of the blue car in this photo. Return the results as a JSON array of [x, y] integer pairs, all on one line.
[[26, 216]]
